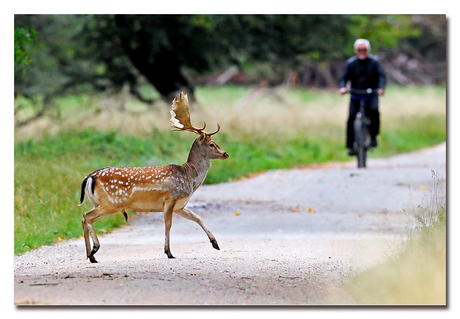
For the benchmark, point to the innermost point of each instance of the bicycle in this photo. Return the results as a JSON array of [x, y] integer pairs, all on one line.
[[362, 140]]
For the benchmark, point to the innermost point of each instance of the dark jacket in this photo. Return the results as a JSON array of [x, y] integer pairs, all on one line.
[[364, 74]]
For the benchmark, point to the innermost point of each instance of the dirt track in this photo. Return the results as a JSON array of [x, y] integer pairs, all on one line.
[[286, 237]]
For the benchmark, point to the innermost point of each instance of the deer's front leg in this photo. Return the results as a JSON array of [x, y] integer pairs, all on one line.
[[187, 213], [168, 212]]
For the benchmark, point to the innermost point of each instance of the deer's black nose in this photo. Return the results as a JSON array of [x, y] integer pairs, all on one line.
[[226, 155]]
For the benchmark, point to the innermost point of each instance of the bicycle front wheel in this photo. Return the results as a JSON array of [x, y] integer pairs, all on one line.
[[362, 157]]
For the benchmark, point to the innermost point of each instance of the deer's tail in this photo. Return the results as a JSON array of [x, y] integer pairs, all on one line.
[[92, 179]]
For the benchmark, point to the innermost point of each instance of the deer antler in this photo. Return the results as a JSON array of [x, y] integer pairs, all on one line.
[[180, 115], [218, 129]]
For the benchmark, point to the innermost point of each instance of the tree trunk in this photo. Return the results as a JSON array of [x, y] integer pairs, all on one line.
[[162, 69], [165, 75]]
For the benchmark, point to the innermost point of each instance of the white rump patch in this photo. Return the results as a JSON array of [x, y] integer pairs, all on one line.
[[92, 197]]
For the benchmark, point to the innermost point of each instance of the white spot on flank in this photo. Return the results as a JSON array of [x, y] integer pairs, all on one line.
[[151, 188]]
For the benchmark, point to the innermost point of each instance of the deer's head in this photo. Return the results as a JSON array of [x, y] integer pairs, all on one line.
[[180, 121]]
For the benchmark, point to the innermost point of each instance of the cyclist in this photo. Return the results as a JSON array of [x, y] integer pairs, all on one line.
[[363, 71]]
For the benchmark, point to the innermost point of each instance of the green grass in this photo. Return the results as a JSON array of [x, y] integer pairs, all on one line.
[[48, 171], [411, 133]]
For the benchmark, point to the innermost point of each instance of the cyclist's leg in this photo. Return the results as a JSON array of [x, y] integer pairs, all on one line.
[[350, 136], [374, 117]]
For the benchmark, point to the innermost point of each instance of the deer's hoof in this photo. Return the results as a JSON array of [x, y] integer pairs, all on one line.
[[92, 260], [94, 250], [214, 244], [170, 256]]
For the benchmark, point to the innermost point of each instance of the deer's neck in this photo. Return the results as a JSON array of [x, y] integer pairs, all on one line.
[[197, 164]]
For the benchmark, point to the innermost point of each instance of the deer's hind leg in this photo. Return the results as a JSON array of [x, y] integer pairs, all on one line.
[[86, 236], [88, 230]]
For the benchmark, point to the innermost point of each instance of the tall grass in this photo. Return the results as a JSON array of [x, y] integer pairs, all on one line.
[[278, 129], [416, 275], [242, 112]]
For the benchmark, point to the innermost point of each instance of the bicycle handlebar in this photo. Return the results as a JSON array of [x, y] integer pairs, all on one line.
[[362, 92]]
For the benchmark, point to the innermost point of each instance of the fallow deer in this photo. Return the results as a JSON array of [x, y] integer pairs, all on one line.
[[164, 189]]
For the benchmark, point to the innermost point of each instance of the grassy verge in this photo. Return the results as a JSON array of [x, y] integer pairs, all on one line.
[[258, 133], [49, 172], [417, 274]]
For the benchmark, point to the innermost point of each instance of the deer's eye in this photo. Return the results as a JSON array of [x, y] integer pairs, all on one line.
[[212, 145]]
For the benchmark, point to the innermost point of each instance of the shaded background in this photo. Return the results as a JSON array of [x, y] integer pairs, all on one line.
[[60, 54]]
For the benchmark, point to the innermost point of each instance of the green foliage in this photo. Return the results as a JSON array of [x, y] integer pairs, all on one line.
[[383, 31], [202, 20], [108, 51], [22, 40], [431, 44], [53, 51]]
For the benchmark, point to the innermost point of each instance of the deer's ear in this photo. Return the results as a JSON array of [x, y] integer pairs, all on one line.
[[202, 137]]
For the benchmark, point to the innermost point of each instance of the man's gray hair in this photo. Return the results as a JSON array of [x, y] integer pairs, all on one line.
[[362, 41]]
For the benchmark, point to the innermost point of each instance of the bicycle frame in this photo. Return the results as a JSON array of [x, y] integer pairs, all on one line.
[[362, 141]]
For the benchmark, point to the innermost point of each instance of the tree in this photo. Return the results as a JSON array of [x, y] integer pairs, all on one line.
[[109, 51], [52, 52], [383, 31], [161, 47], [22, 39]]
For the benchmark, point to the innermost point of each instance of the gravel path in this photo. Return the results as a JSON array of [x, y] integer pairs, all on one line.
[[287, 237]]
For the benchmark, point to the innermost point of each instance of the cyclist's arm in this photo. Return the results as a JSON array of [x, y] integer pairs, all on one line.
[[382, 78]]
